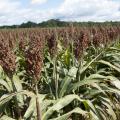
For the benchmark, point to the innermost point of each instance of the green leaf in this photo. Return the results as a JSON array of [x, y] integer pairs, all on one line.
[[9, 82], [61, 103], [31, 108], [96, 76], [5, 117], [67, 115], [18, 87], [88, 64], [45, 105], [67, 57], [5, 84], [110, 65], [116, 83], [83, 82], [17, 83], [64, 86], [7, 97], [107, 102], [1, 72], [73, 71]]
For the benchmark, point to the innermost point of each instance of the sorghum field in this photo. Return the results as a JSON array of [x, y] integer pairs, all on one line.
[[70, 73]]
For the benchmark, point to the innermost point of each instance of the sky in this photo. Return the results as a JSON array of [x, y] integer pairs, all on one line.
[[19, 11]]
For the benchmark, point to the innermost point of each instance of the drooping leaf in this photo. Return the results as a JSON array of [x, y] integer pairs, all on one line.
[[5, 117], [61, 103], [110, 65], [29, 112], [67, 115]]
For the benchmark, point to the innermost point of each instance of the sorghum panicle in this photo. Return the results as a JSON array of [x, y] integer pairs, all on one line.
[[34, 56]]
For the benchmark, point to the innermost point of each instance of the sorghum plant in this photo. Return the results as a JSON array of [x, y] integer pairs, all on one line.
[[34, 61]]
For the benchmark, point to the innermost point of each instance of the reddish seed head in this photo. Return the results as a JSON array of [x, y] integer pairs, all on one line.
[[34, 56], [7, 58]]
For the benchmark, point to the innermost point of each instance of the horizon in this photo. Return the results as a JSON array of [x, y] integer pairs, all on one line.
[[14, 12], [60, 21]]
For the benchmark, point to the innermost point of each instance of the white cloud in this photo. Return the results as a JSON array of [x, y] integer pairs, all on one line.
[[85, 10], [14, 12], [7, 9], [6, 6], [38, 1]]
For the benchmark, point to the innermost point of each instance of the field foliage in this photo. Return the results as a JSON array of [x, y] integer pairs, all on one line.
[[60, 74]]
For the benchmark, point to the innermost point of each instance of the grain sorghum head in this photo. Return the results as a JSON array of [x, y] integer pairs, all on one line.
[[52, 43], [7, 57], [34, 56]]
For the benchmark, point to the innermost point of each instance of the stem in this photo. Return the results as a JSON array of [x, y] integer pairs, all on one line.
[[15, 99], [37, 104], [55, 78], [51, 92]]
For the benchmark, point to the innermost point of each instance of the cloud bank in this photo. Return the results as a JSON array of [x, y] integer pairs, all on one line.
[[14, 12]]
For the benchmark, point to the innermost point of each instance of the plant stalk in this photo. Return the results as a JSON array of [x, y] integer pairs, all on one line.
[[55, 78], [37, 104]]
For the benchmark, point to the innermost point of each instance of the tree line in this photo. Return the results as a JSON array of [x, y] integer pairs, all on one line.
[[59, 23]]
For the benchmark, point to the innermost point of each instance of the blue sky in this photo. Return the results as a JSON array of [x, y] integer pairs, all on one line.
[[46, 4], [19, 11]]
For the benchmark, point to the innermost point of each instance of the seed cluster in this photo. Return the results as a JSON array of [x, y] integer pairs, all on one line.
[[7, 57], [34, 56]]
